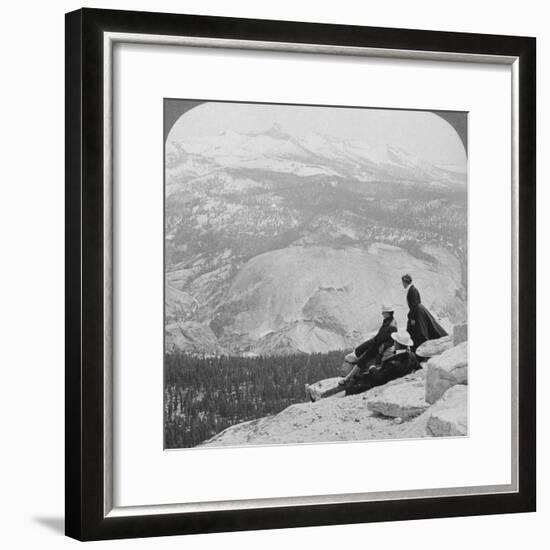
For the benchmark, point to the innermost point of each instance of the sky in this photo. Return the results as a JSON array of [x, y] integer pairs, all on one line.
[[421, 133]]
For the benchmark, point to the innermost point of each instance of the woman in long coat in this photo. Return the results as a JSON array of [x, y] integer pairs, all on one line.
[[374, 350], [421, 324]]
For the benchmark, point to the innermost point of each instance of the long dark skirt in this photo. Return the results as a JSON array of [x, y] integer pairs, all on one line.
[[425, 327], [395, 367], [365, 381]]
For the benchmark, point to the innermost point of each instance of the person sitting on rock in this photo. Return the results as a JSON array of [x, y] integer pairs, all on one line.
[[402, 362], [374, 350], [421, 324]]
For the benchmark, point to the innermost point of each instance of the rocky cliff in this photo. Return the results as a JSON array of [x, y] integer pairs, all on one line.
[[317, 299], [397, 410]]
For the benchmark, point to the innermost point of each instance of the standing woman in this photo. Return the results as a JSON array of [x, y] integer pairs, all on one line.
[[421, 324]]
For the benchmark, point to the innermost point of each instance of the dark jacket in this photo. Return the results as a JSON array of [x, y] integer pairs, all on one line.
[[396, 366], [371, 351], [421, 324], [413, 300]]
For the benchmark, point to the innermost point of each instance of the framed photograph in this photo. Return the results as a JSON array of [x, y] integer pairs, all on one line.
[[300, 274]]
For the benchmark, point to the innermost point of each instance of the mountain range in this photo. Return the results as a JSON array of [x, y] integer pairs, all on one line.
[[277, 243]]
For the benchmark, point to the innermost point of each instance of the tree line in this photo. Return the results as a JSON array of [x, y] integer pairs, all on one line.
[[205, 395]]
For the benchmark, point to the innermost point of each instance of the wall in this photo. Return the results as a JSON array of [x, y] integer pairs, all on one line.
[[31, 287]]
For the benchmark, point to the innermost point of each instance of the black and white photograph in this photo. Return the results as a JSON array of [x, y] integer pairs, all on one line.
[[316, 262], [274, 275]]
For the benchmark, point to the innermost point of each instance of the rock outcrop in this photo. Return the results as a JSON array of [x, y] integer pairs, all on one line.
[[431, 402], [317, 298], [431, 348], [446, 370], [449, 416], [401, 400], [326, 420], [460, 333]]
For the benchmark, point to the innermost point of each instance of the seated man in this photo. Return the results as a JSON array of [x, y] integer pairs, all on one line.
[[374, 350], [401, 363]]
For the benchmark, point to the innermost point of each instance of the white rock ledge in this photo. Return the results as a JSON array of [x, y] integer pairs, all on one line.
[[446, 370], [400, 401], [449, 416]]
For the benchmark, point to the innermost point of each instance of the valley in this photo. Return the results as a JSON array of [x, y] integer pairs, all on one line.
[[276, 245]]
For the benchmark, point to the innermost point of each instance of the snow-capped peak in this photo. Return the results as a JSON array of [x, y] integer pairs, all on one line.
[[275, 149]]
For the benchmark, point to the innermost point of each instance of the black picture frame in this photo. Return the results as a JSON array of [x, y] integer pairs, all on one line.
[[85, 400]]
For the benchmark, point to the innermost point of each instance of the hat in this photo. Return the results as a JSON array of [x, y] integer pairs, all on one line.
[[402, 337], [386, 308]]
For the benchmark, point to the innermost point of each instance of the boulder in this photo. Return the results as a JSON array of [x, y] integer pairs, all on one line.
[[449, 416], [431, 348], [324, 388], [460, 333], [446, 370], [446, 323], [417, 428], [400, 401]]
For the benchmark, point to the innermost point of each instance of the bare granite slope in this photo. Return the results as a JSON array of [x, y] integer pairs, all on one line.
[[399, 409], [333, 419]]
